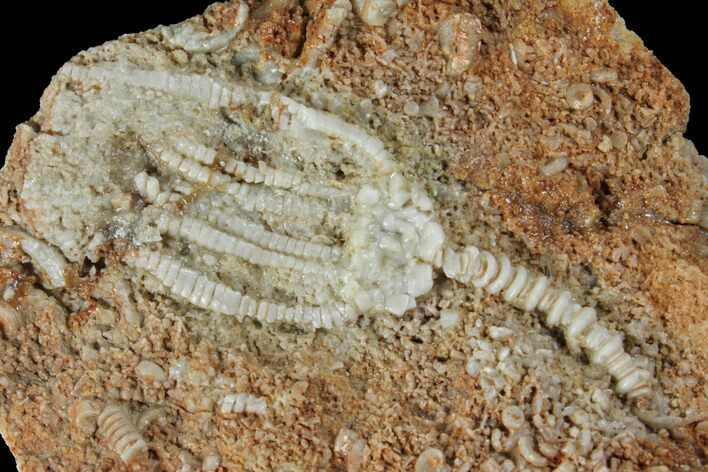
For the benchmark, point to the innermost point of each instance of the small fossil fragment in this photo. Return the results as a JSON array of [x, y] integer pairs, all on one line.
[[603, 75], [500, 333], [121, 435], [46, 258], [150, 372], [512, 417], [579, 96], [449, 318], [526, 449], [242, 403], [185, 36], [460, 37], [84, 414], [376, 12], [351, 447], [555, 166], [431, 460], [10, 320], [472, 368], [211, 462]]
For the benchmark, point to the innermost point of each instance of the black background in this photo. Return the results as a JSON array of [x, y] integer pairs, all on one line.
[[36, 38]]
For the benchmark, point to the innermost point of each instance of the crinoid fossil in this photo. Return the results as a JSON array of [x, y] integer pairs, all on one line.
[[243, 237]]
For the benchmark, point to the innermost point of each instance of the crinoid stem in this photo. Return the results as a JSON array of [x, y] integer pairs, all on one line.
[[121, 435], [531, 292], [242, 403]]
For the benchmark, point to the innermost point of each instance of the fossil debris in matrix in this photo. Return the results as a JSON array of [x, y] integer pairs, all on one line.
[[213, 212]]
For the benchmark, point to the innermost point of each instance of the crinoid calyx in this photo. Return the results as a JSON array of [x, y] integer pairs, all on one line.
[[366, 236]]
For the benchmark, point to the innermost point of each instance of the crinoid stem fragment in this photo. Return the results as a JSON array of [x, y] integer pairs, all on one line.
[[46, 259], [121, 435], [533, 292], [239, 403]]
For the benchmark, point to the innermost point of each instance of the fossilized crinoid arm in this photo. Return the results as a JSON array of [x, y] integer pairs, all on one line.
[[265, 220]]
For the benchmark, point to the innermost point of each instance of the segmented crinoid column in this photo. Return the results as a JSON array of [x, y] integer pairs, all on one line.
[[121, 435], [286, 213], [530, 292]]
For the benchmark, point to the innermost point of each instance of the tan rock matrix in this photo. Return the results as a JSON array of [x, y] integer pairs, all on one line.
[[358, 235]]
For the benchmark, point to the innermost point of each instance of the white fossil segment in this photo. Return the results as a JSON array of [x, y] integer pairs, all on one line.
[[10, 320], [215, 94], [121, 435], [83, 414], [194, 287], [147, 186], [238, 403], [526, 449], [460, 35], [120, 295], [256, 233], [376, 12], [533, 292], [198, 152], [183, 35], [280, 178], [262, 174], [201, 233], [431, 460], [188, 167], [334, 127], [254, 198], [150, 372], [46, 259]]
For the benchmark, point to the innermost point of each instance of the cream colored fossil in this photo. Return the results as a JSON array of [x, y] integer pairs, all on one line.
[[331, 247], [385, 261], [121, 435], [238, 403]]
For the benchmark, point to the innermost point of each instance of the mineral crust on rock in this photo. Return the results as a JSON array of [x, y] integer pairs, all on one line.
[[358, 235]]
